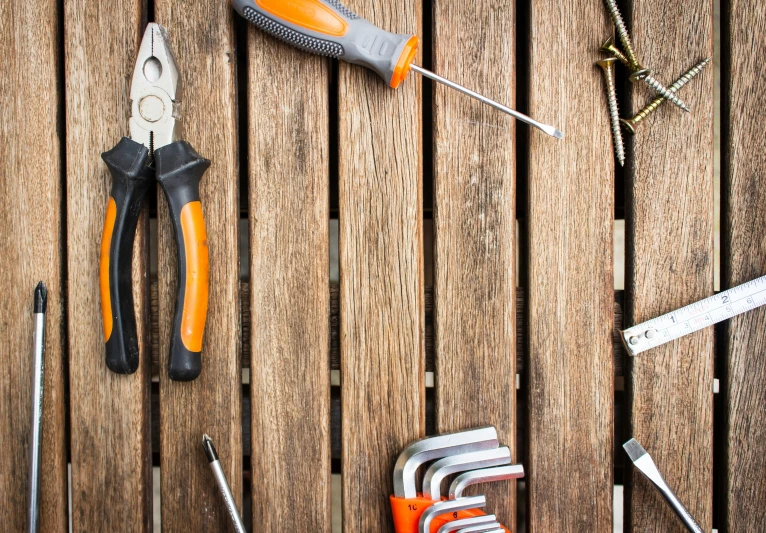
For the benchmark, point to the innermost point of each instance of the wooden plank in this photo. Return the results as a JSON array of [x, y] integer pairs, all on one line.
[[381, 275], [744, 160], [669, 236], [109, 413], [202, 36], [570, 278], [290, 295], [521, 336], [475, 228], [30, 240]]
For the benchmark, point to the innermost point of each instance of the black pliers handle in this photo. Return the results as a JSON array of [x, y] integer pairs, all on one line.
[[153, 151]]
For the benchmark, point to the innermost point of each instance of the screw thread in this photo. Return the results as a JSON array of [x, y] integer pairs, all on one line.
[[614, 115], [616, 52], [669, 95], [657, 102], [622, 31]]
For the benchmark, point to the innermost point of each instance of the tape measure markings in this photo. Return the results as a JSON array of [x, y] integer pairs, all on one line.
[[695, 317]]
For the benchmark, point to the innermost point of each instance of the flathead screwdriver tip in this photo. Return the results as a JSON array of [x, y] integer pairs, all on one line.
[[41, 298]]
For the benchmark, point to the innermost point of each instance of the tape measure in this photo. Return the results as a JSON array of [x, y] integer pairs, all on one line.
[[694, 317]]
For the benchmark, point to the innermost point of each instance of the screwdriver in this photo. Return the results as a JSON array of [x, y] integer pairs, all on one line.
[[35, 437], [327, 27]]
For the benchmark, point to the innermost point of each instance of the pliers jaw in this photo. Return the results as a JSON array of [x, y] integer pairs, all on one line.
[[155, 92]]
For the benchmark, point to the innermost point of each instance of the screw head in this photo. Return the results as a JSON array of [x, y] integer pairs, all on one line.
[[607, 45], [628, 126], [639, 74], [606, 63]]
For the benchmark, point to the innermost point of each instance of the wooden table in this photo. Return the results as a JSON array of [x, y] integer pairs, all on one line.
[[428, 188]]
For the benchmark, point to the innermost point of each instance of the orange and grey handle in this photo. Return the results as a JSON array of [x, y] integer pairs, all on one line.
[[407, 513], [327, 27], [131, 178], [179, 171]]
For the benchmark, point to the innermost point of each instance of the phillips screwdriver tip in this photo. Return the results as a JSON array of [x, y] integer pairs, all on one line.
[[41, 298], [207, 444]]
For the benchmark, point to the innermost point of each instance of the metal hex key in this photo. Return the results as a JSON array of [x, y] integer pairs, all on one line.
[[448, 506], [490, 528], [455, 525], [437, 447], [460, 463], [486, 475]]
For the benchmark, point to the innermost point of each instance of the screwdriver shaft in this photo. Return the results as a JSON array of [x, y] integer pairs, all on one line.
[[550, 130], [35, 438]]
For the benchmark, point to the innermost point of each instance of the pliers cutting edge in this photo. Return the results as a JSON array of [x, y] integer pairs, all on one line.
[[154, 150]]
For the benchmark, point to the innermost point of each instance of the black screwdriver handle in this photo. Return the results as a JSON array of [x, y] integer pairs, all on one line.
[[179, 171], [131, 178]]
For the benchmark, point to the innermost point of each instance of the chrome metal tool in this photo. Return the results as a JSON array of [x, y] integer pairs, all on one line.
[[695, 317], [35, 437], [453, 464], [431, 448], [223, 485], [448, 506], [455, 525], [643, 461], [491, 528], [485, 475]]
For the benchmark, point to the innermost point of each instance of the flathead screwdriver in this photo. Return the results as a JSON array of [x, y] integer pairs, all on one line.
[[327, 27]]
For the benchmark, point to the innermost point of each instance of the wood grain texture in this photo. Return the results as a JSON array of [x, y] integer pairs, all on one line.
[[109, 413], [744, 253], [521, 335], [30, 236], [669, 264], [290, 295], [381, 275], [475, 229], [570, 291], [202, 36]]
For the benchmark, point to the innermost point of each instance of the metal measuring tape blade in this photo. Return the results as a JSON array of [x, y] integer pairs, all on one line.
[[695, 317]]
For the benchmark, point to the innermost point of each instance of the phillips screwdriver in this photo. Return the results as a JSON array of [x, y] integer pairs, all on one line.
[[223, 485], [327, 27], [35, 437]]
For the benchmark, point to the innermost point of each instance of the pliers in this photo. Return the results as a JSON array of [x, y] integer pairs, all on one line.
[[154, 151]]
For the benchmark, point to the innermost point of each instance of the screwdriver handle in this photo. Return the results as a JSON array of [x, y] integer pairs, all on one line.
[[179, 171], [131, 178], [327, 27]]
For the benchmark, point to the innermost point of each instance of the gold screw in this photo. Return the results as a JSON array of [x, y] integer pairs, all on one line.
[[630, 124], [609, 47], [607, 65]]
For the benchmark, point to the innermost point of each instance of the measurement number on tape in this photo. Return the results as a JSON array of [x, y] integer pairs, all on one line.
[[696, 316]]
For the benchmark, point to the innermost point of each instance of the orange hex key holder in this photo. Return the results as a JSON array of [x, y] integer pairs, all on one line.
[[154, 150], [475, 453]]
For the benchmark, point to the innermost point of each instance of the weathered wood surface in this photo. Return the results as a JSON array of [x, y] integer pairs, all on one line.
[[744, 253], [570, 280], [475, 227], [290, 296], [617, 347], [202, 34], [381, 274], [30, 244], [669, 264], [111, 459]]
